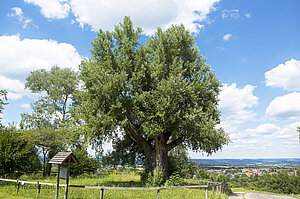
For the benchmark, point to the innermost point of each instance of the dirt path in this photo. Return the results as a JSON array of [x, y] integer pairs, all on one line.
[[250, 195], [237, 195]]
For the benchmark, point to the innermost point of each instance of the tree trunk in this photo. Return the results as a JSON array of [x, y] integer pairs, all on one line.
[[51, 154], [161, 155], [44, 162]]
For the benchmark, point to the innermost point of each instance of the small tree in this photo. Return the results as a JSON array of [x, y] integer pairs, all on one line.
[[49, 141], [51, 112], [159, 95], [17, 156]]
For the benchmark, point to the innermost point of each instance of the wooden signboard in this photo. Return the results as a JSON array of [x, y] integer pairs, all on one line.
[[63, 160]]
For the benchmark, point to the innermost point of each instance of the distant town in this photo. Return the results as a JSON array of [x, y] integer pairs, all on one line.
[[249, 167], [251, 172]]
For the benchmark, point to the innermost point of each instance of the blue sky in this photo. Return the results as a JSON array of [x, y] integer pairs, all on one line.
[[254, 47]]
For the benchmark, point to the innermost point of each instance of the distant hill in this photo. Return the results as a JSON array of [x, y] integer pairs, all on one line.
[[247, 162]]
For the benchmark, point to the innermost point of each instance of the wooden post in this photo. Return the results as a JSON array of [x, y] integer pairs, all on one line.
[[157, 193], [18, 185], [206, 193], [57, 184], [67, 181], [38, 187], [213, 191], [102, 194], [222, 188]]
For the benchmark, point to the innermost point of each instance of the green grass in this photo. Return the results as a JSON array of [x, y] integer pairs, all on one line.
[[8, 189]]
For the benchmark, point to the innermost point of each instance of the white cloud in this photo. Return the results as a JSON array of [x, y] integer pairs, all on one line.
[[19, 57], [285, 107], [25, 105], [234, 13], [13, 96], [11, 84], [288, 132], [267, 128], [220, 48], [266, 140], [263, 131], [235, 104], [227, 37], [52, 9], [248, 15], [286, 76], [18, 13], [148, 14]]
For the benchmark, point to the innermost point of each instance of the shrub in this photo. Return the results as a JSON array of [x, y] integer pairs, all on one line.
[[174, 180], [157, 178]]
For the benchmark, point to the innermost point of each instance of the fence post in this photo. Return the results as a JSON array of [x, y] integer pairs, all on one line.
[[38, 187], [157, 193], [57, 183], [101, 193], [18, 185], [206, 192], [222, 188], [67, 182], [213, 190]]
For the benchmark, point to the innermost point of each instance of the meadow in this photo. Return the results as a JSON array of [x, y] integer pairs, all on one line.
[[131, 179]]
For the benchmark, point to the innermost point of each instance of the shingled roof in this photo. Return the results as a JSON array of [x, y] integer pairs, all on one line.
[[64, 158]]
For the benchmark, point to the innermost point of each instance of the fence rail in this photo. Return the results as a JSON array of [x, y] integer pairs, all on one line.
[[220, 187]]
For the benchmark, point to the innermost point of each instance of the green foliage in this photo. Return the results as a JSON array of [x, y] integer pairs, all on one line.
[[124, 152], [157, 178], [174, 180], [202, 174], [59, 86], [222, 178], [16, 155], [46, 126], [180, 163], [46, 138], [3, 98], [87, 163], [277, 183], [160, 95]]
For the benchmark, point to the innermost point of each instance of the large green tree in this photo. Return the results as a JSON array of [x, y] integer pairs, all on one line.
[[51, 112], [160, 94]]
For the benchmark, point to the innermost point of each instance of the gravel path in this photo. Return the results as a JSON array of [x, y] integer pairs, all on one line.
[[250, 195]]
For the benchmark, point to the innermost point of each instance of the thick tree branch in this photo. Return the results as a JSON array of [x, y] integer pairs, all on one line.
[[142, 144], [167, 135], [174, 143]]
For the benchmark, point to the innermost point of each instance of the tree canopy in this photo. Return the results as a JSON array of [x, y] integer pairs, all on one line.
[[160, 94], [43, 126], [17, 156], [57, 87]]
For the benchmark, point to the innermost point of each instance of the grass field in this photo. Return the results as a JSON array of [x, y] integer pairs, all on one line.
[[8, 189]]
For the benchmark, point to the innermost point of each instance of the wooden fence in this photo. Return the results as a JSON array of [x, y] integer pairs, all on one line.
[[216, 187]]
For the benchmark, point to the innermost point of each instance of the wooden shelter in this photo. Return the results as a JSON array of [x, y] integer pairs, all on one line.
[[63, 160]]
